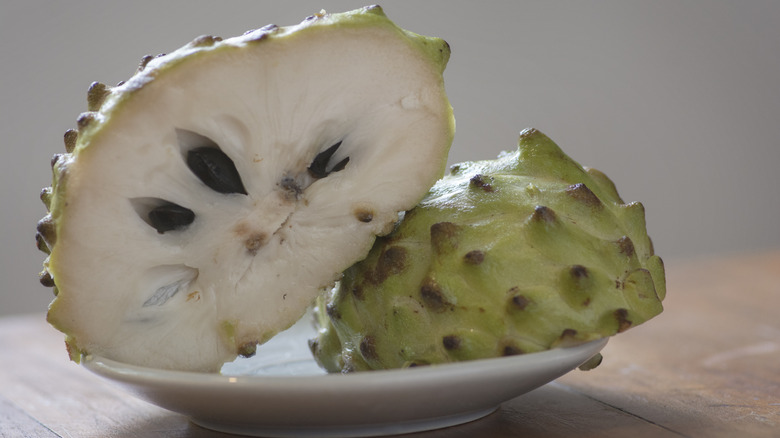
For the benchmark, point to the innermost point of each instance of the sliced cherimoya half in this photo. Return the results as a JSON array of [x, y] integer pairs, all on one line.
[[204, 203]]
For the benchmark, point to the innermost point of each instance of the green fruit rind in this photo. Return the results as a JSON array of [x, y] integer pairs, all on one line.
[[524, 253]]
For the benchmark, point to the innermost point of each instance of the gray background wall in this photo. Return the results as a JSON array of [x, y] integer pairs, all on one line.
[[677, 101]]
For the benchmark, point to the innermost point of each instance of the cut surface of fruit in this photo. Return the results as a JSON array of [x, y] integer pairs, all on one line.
[[204, 203], [524, 253]]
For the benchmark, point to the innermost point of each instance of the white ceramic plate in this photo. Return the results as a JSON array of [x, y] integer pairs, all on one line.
[[281, 392]]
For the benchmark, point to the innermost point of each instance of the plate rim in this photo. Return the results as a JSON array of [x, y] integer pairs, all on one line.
[[108, 367]]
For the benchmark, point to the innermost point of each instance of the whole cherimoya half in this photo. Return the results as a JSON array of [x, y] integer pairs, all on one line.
[[524, 253], [205, 202]]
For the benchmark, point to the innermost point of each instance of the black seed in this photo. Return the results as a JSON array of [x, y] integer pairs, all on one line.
[[368, 348], [340, 165], [169, 217], [215, 169], [318, 167], [474, 257], [450, 342]]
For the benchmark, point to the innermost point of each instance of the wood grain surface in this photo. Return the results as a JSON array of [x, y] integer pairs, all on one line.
[[709, 366]]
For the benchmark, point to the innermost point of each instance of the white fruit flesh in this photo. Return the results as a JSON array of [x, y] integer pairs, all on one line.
[[248, 265]]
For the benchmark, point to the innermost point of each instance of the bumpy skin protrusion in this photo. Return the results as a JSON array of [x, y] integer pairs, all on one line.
[[46, 229], [516, 255], [96, 95]]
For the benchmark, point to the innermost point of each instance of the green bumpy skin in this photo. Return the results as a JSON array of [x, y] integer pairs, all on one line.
[[521, 254]]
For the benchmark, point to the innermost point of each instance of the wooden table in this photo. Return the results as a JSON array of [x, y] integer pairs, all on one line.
[[709, 366]]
